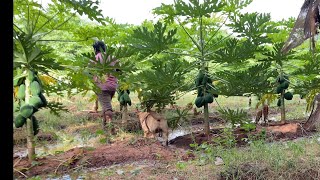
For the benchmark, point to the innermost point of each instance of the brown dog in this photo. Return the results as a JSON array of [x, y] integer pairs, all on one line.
[[152, 123], [263, 112], [258, 116]]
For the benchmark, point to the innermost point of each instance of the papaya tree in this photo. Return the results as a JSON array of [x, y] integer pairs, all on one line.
[[33, 57], [80, 52], [264, 39], [241, 56], [282, 61], [202, 23], [161, 74], [161, 83]]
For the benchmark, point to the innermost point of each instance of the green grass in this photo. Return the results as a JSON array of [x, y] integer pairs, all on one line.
[[281, 160]]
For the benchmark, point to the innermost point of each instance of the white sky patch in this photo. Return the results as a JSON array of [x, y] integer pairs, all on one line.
[[136, 11], [279, 9], [131, 11]]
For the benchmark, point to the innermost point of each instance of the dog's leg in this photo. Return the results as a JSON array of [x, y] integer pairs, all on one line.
[[265, 114], [258, 116], [145, 134], [166, 136], [152, 135]]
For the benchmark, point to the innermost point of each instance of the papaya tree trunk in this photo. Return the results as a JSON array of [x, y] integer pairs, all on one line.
[[206, 119], [314, 118], [125, 116], [283, 110], [204, 68], [29, 124]]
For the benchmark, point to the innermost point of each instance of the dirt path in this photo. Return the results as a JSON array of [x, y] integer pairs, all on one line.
[[105, 155]]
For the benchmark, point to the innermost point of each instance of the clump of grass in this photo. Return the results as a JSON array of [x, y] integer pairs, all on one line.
[[265, 160], [48, 121]]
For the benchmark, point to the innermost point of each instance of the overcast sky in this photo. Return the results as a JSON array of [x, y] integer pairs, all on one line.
[[135, 11]]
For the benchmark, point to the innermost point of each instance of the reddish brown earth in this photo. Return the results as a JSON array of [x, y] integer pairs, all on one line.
[[142, 149], [288, 131], [116, 153]]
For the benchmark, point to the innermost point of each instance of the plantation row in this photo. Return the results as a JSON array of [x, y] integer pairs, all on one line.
[[191, 47]]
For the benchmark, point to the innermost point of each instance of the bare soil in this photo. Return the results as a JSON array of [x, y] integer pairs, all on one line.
[[142, 149], [106, 155], [274, 132]]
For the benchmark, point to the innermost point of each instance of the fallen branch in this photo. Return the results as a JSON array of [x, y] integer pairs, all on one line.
[[17, 161], [55, 171], [20, 172], [302, 129], [71, 160]]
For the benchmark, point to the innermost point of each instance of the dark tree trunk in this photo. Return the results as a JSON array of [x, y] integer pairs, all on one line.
[[314, 118]]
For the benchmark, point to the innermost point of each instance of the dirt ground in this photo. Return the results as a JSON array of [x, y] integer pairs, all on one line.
[[105, 155], [142, 150]]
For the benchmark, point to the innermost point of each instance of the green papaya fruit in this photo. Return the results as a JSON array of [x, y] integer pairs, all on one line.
[[19, 121], [36, 102], [208, 98], [283, 78], [199, 78], [35, 88], [26, 110], [199, 102], [122, 102], [198, 82], [31, 76], [21, 103], [288, 96], [126, 97], [279, 89], [39, 81], [204, 80], [21, 92], [279, 103], [284, 85]]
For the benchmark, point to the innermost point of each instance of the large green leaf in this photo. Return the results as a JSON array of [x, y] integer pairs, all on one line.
[[149, 42], [254, 26], [257, 79]]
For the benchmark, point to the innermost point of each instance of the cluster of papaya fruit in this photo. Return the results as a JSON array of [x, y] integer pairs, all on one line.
[[36, 100], [202, 81], [123, 97], [283, 84]]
